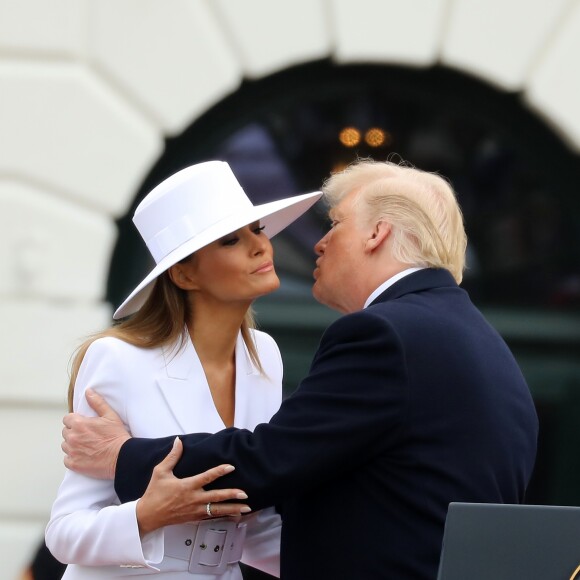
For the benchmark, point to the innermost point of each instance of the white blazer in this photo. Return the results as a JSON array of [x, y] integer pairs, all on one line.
[[157, 393]]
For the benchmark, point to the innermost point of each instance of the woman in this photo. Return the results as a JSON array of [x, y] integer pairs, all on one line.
[[186, 359]]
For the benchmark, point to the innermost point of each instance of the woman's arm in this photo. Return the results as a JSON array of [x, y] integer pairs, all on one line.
[[88, 525]]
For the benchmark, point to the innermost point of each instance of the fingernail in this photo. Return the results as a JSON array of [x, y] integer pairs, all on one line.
[[228, 468], [246, 509], [175, 441], [242, 495]]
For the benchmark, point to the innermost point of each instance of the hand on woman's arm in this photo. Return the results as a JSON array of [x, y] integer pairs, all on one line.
[[169, 500], [92, 444]]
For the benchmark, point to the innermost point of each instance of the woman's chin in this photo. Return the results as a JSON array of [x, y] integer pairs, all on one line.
[[272, 286]]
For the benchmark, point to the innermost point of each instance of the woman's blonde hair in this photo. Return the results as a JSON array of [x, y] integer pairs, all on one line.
[[161, 321], [421, 207]]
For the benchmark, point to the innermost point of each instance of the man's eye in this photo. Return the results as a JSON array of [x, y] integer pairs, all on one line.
[[259, 229], [333, 223]]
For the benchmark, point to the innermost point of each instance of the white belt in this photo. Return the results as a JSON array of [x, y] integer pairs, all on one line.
[[207, 547]]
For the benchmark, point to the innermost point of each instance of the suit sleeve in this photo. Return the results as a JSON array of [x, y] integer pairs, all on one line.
[[88, 526], [346, 409]]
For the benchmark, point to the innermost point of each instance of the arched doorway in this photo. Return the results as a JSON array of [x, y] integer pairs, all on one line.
[[516, 182]]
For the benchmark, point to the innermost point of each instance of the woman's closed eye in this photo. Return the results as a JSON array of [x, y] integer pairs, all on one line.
[[229, 240], [234, 238]]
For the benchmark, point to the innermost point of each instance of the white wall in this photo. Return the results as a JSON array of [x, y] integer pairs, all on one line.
[[88, 91]]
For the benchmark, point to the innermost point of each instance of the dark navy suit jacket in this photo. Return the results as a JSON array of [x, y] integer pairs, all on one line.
[[411, 403]]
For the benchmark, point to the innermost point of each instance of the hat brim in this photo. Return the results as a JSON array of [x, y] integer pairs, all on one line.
[[275, 216]]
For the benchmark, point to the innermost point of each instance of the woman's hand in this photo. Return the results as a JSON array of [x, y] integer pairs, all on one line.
[[169, 500]]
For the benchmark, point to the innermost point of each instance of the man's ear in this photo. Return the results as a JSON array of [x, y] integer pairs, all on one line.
[[182, 276], [379, 235]]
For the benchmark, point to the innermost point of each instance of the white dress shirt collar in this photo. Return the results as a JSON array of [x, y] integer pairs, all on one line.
[[390, 282]]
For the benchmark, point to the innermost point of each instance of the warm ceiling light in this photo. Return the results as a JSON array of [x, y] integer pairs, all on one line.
[[376, 137], [349, 136]]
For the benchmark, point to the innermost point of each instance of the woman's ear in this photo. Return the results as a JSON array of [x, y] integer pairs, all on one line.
[[183, 276], [379, 234]]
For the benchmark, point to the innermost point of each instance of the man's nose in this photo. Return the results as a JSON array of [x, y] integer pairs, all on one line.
[[320, 245]]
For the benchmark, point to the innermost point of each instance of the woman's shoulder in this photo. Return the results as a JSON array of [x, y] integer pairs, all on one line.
[[112, 347], [109, 360], [105, 344]]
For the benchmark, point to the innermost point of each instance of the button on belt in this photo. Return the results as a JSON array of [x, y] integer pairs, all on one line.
[[208, 547]]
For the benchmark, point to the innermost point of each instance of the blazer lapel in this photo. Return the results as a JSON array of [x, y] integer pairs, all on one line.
[[245, 373], [184, 387]]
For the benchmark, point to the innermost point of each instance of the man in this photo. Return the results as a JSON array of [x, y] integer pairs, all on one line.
[[412, 400]]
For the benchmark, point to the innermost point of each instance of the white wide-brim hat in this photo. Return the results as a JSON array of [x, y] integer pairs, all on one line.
[[195, 207]]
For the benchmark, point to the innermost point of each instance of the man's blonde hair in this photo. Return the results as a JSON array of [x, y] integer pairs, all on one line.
[[421, 207]]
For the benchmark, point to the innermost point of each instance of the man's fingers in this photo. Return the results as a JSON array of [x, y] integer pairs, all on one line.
[[67, 421], [100, 406]]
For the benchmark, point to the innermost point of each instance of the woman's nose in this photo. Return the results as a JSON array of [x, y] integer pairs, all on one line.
[[260, 244]]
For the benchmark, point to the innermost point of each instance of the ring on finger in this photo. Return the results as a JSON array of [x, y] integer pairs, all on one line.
[[208, 509]]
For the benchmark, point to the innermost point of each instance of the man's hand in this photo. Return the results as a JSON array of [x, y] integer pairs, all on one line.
[[92, 444], [169, 500]]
